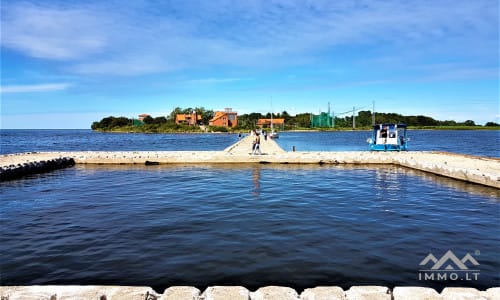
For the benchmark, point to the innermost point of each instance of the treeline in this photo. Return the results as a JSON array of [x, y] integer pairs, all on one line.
[[249, 121], [153, 124], [364, 119]]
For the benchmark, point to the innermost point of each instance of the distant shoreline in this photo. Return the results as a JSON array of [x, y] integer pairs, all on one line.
[[119, 130], [491, 128]]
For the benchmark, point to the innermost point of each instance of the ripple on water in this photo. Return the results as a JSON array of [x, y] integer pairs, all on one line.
[[300, 226]]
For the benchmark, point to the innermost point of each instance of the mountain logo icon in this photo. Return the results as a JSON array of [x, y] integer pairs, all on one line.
[[449, 261]]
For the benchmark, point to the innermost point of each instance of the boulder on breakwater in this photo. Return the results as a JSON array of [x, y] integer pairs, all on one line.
[[22, 169], [60, 292]]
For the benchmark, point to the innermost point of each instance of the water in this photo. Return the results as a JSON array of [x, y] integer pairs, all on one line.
[[14, 141], [250, 225], [475, 142], [254, 226]]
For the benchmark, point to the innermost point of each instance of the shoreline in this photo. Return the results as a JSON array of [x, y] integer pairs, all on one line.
[[230, 131], [244, 131]]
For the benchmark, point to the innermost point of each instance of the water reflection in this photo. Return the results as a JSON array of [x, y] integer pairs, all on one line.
[[388, 178], [256, 181], [321, 225], [387, 182]]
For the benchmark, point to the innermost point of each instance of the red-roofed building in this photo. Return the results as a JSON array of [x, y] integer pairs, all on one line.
[[264, 123], [226, 118], [188, 119], [143, 116]]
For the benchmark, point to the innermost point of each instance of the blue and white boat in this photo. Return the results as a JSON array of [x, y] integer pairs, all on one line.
[[389, 137]]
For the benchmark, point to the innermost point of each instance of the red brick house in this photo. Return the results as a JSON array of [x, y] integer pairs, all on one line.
[[188, 119], [226, 118]]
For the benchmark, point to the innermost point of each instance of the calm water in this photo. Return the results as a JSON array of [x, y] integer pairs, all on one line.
[[484, 143], [13, 141], [299, 226]]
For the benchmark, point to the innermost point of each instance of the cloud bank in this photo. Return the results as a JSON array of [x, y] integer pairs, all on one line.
[[112, 39]]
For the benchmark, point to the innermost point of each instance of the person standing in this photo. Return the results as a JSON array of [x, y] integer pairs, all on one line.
[[253, 133], [256, 144]]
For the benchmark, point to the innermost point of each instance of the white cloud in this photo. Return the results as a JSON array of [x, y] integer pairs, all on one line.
[[49, 87], [51, 32], [109, 38]]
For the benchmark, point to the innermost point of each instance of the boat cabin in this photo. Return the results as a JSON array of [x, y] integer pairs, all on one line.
[[388, 137]]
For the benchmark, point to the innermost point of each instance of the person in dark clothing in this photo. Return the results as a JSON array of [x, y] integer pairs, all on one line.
[[256, 144]]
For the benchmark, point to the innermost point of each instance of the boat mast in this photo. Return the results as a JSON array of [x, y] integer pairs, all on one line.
[[353, 118], [373, 113], [272, 126]]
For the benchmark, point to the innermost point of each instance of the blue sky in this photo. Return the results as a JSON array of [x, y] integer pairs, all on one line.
[[68, 63]]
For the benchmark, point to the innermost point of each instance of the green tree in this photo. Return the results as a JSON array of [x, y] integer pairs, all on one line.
[[364, 118], [148, 120], [285, 115], [244, 122], [160, 120], [206, 115], [106, 122], [303, 120], [448, 123], [175, 112]]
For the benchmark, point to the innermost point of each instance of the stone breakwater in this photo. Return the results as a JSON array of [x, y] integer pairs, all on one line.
[[476, 169], [21, 169], [240, 293], [480, 170]]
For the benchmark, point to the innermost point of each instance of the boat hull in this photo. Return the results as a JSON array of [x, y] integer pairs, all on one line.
[[387, 147]]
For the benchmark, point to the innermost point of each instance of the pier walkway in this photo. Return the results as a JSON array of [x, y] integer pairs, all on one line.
[[244, 146], [481, 170]]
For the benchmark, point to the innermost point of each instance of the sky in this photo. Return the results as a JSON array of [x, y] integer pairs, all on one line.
[[65, 64]]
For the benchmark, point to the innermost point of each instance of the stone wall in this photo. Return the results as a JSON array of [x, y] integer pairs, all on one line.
[[480, 170], [240, 293]]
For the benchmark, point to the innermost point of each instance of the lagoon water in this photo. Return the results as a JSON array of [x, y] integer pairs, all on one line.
[[298, 226], [475, 142]]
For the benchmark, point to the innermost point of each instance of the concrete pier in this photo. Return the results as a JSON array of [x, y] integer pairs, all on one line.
[[480, 170], [55, 292]]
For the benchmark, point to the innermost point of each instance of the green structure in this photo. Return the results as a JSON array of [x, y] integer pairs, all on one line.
[[322, 120], [137, 122]]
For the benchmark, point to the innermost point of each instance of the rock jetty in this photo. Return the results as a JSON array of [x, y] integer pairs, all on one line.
[[28, 167], [55, 292]]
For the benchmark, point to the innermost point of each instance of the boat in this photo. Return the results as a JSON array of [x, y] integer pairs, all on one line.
[[273, 134], [388, 137]]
